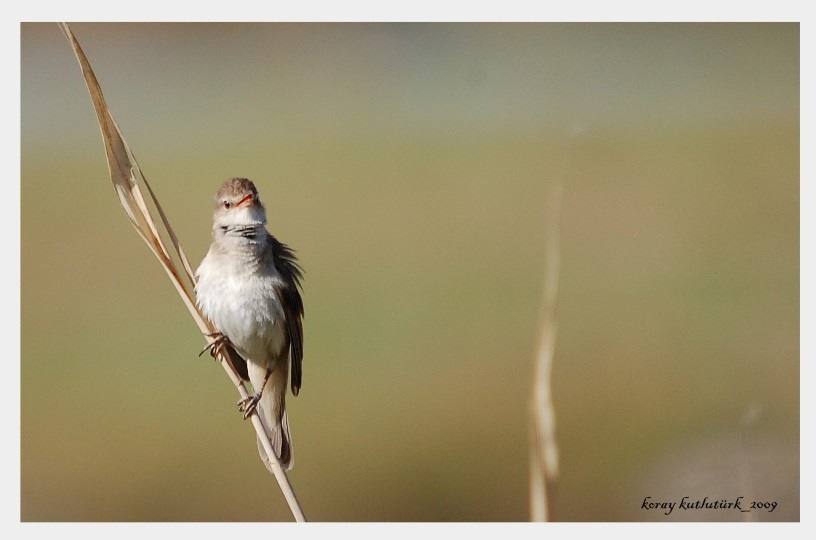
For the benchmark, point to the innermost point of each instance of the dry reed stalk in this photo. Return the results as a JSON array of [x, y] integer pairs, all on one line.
[[543, 442], [543, 447], [126, 177]]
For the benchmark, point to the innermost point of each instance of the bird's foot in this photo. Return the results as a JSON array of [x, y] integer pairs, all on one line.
[[248, 404], [217, 345]]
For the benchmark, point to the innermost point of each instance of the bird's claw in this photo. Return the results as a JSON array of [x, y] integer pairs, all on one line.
[[216, 346], [248, 404]]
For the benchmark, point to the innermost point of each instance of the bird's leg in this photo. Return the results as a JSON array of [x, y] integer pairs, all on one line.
[[248, 404], [217, 345]]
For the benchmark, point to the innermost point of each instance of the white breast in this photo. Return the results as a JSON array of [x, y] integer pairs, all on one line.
[[240, 299]]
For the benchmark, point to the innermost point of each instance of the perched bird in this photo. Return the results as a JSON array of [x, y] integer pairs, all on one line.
[[248, 287]]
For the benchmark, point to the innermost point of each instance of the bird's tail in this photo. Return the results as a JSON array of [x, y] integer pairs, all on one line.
[[272, 410]]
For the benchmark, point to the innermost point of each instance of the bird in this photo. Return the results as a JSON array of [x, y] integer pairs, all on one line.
[[249, 287]]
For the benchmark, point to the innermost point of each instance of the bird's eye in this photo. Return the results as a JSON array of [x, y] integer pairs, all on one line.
[[227, 205]]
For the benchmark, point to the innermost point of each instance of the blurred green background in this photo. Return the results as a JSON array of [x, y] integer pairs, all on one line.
[[410, 166]]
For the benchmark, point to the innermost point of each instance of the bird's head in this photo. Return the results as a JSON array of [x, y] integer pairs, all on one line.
[[237, 205]]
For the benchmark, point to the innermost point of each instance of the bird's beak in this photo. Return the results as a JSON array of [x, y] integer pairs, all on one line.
[[247, 197]]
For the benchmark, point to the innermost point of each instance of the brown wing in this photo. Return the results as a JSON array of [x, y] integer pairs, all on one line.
[[237, 362], [289, 295]]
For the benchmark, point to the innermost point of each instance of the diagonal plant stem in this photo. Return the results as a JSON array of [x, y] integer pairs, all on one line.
[[127, 177]]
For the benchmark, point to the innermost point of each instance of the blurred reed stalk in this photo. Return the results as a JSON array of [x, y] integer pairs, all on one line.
[[127, 177], [543, 444], [543, 447]]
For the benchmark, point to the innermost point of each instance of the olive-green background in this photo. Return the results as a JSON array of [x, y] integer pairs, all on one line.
[[409, 165]]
